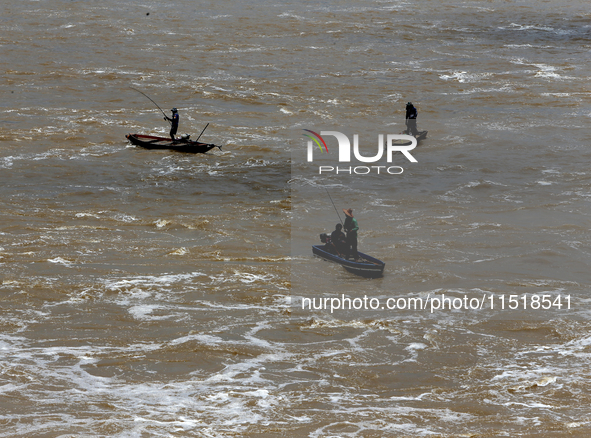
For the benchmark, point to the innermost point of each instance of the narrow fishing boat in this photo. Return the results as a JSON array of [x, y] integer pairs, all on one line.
[[365, 266], [183, 144]]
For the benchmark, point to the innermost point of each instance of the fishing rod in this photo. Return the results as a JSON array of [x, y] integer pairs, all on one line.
[[202, 132], [335, 207], [152, 102]]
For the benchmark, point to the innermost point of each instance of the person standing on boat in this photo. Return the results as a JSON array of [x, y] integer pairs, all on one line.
[[174, 123], [351, 227], [411, 119]]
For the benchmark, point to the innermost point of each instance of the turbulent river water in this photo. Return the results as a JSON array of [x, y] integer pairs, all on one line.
[[156, 293]]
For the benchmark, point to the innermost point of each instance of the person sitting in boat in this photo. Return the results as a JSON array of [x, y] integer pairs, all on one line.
[[174, 123], [411, 119], [351, 227], [338, 241]]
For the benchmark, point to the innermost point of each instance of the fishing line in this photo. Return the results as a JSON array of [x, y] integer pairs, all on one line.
[[335, 207], [135, 89]]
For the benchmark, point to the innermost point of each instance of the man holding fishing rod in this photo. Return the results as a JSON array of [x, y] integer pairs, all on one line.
[[351, 227], [174, 123], [174, 120]]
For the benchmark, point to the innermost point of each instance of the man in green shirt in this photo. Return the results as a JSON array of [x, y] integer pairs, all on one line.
[[351, 227]]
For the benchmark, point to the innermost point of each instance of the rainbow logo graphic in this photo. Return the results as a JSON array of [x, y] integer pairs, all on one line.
[[319, 137]]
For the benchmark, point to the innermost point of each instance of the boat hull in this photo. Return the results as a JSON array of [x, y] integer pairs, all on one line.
[[421, 135], [181, 145], [371, 267]]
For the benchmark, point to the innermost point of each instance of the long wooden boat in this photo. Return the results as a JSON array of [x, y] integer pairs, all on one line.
[[366, 266], [180, 145]]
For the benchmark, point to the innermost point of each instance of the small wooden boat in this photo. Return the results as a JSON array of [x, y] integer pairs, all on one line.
[[366, 266], [183, 144]]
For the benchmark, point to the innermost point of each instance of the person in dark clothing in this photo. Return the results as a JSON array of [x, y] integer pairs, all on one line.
[[338, 240], [411, 119], [174, 123], [351, 227]]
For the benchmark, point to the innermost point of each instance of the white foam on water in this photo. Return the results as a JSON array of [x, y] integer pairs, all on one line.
[[144, 312], [149, 280], [161, 223], [547, 71], [180, 251], [61, 261], [463, 76], [247, 277]]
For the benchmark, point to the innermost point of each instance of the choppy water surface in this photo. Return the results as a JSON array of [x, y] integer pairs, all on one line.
[[152, 293]]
